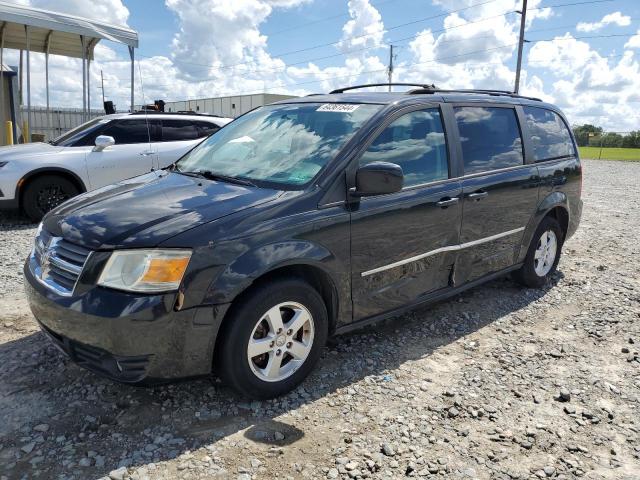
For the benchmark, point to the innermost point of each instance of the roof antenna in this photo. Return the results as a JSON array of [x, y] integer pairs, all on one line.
[[146, 117]]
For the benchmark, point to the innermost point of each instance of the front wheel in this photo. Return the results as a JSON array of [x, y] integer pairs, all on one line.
[[543, 254], [273, 338], [45, 193]]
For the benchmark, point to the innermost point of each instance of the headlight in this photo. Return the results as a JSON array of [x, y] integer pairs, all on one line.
[[145, 270]]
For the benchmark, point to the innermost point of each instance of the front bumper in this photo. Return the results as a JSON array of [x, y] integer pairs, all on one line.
[[131, 338]]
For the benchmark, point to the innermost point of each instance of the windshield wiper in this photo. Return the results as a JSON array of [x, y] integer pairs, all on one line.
[[209, 175]]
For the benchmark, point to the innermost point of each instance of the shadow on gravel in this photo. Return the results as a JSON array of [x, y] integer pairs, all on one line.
[[64, 421], [10, 221]]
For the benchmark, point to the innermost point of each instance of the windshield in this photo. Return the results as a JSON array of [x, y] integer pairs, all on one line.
[[72, 136], [286, 145]]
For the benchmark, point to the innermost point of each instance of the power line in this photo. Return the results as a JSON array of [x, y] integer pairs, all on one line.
[[434, 60], [396, 41], [314, 47], [321, 20]]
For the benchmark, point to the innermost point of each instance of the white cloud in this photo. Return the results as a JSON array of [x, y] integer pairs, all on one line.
[[364, 29], [589, 87], [634, 42], [615, 18], [224, 52]]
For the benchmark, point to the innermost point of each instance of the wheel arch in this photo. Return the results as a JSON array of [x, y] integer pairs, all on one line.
[[39, 172], [555, 205]]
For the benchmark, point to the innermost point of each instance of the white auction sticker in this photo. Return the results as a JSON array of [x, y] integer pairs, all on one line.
[[337, 107]]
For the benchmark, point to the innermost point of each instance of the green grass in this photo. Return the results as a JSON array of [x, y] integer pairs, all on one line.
[[626, 154]]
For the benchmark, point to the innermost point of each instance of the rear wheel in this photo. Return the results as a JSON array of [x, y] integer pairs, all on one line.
[[45, 193], [274, 337], [543, 254]]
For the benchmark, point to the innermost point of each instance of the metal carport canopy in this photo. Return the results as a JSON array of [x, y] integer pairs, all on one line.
[[37, 30], [66, 30]]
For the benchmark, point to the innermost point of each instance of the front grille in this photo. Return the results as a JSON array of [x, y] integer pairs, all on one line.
[[57, 262]]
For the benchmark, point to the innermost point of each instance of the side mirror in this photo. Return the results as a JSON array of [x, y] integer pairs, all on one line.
[[102, 142], [378, 178]]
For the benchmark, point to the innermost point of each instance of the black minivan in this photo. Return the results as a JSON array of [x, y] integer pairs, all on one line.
[[300, 220]]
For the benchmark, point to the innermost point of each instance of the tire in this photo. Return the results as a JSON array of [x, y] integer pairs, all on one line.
[[45, 193], [538, 266], [252, 321]]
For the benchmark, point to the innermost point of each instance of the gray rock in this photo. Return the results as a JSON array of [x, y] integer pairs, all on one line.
[[28, 448], [388, 450], [118, 474]]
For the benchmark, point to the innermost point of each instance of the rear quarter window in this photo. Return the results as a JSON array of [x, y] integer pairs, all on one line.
[[550, 136]]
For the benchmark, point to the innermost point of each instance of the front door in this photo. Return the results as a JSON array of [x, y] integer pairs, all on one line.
[[403, 244], [500, 191], [133, 153]]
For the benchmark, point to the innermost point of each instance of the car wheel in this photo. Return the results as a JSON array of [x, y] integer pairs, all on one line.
[[543, 254], [45, 193], [273, 338]]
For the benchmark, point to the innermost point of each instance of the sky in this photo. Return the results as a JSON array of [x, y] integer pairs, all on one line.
[[582, 55]]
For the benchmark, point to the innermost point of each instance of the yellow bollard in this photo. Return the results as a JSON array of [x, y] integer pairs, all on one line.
[[8, 132], [25, 132]]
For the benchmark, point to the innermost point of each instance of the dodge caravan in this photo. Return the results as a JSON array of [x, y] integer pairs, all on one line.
[[300, 220]]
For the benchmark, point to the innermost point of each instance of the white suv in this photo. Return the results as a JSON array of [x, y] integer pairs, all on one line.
[[39, 176]]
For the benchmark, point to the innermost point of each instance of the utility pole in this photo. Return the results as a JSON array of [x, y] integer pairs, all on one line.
[[102, 85], [521, 40], [390, 67]]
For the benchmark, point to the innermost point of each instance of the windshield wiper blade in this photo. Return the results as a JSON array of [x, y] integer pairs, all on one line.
[[209, 175]]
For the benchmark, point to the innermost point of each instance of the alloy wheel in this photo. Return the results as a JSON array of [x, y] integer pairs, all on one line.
[[545, 254], [280, 341]]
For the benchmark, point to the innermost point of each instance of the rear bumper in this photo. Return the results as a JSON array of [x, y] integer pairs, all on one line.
[[574, 217], [129, 338]]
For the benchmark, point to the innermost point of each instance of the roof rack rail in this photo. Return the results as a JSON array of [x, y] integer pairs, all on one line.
[[356, 87], [496, 93]]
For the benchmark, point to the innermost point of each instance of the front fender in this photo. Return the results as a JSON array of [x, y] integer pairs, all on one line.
[[551, 201], [245, 269]]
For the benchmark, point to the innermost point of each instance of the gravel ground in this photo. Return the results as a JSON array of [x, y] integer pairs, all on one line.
[[499, 382]]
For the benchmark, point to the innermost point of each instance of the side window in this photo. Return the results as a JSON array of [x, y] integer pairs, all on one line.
[[131, 131], [490, 138], [206, 128], [177, 130], [549, 134], [416, 142]]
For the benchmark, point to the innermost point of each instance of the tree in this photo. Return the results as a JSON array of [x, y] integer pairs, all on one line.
[[582, 132], [632, 140]]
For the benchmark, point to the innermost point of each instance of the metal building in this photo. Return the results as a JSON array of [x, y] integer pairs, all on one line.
[[225, 106]]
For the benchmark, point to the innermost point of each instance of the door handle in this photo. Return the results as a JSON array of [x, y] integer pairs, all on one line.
[[147, 153], [447, 202], [478, 195]]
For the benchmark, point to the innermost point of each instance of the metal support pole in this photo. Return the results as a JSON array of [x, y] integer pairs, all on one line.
[[2, 72], [390, 68], [131, 54], [102, 85], [523, 17], [88, 88], [46, 81], [84, 78], [27, 134]]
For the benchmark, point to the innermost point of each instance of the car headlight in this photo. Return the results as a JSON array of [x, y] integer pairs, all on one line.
[[145, 270]]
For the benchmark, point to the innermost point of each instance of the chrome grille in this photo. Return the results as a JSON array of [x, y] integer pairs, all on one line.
[[58, 263]]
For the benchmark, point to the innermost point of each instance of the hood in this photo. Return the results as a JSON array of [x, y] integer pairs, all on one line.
[[14, 152], [146, 210]]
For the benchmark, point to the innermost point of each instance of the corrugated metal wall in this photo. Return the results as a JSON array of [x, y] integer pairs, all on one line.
[[61, 120], [225, 106]]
